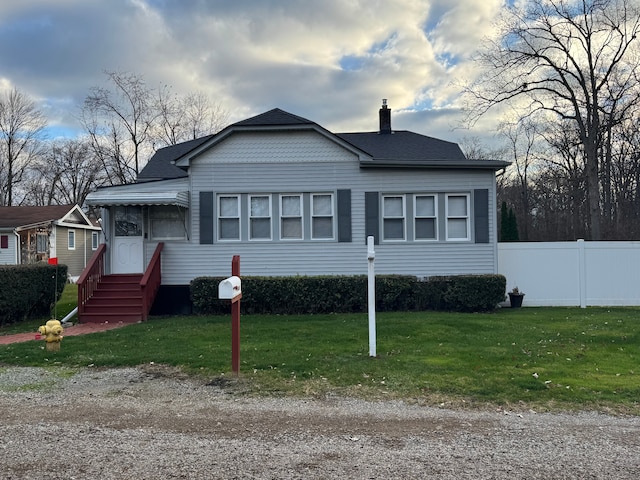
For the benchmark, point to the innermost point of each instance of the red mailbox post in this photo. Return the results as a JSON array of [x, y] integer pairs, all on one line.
[[231, 289]]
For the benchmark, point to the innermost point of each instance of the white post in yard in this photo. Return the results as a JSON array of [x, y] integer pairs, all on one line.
[[371, 255]]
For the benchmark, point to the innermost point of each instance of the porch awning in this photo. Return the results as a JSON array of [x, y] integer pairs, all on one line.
[[106, 198]]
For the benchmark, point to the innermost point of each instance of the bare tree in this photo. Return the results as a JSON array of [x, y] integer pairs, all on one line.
[[566, 166], [183, 118], [523, 141], [624, 176], [127, 121], [572, 60], [21, 129], [66, 173], [118, 123], [474, 148]]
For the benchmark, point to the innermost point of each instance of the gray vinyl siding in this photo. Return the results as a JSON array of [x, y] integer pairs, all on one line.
[[307, 162], [8, 256]]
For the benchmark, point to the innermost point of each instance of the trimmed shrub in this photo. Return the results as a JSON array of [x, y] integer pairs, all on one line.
[[29, 291], [345, 294], [474, 293]]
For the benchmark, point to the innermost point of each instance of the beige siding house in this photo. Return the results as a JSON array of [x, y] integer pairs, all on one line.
[[40, 234]]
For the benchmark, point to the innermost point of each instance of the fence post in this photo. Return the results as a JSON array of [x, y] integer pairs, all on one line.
[[582, 273]]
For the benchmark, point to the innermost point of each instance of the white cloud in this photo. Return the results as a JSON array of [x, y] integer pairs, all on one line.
[[331, 61]]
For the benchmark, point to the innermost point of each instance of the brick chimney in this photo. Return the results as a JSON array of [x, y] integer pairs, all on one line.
[[385, 117]]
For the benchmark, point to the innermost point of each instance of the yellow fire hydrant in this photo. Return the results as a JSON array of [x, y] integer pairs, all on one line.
[[52, 332]]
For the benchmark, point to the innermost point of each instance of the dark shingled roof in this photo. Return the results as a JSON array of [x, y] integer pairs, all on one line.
[[403, 146], [273, 117], [11, 217], [400, 148], [160, 166]]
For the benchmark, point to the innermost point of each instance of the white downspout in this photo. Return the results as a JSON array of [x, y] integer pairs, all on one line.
[[69, 315], [17, 249]]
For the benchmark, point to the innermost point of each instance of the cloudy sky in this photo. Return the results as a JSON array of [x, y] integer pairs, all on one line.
[[331, 61]]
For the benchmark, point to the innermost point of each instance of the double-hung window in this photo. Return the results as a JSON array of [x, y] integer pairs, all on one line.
[[94, 240], [322, 216], [260, 217], [457, 216], [229, 217], [393, 214], [291, 217], [425, 209]]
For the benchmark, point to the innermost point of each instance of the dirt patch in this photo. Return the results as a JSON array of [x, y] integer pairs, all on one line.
[[156, 422]]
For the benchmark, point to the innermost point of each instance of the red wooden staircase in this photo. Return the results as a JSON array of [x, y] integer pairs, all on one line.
[[117, 298]]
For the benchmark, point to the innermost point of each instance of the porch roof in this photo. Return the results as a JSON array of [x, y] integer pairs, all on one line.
[[109, 197]]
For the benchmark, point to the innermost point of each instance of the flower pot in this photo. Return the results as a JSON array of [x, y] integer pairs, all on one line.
[[516, 299]]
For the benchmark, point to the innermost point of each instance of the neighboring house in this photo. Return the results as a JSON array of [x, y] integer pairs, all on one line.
[[36, 234], [292, 198]]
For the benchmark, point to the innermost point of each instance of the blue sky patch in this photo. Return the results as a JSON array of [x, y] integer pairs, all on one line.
[[352, 63], [356, 62]]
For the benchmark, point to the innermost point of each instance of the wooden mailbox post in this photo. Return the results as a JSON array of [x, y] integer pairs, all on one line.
[[231, 289]]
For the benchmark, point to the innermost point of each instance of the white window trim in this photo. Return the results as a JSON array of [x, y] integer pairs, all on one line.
[[466, 217], [403, 217], [251, 217], [332, 216], [283, 216], [94, 245], [417, 217], [69, 246], [219, 217]]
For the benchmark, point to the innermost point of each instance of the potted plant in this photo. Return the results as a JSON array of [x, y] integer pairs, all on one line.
[[515, 297]]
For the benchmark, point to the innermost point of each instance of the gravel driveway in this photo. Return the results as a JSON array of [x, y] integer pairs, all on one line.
[[154, 423]]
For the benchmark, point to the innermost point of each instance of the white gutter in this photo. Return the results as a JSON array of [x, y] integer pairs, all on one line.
[[17, 249]]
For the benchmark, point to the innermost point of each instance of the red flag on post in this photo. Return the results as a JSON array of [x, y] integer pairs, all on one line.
[[53, 261]]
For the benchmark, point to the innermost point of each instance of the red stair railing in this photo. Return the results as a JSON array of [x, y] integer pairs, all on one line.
[[90, 278], [151, 280]]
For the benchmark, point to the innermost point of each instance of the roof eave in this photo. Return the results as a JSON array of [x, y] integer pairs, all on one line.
[[437, 164], [29, 226]]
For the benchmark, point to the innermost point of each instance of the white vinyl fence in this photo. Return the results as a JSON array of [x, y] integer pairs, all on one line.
[[573, 273]]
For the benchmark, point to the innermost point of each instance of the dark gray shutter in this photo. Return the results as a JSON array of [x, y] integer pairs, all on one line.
[[206, 217], [344, 215], [371, 216], [481, 214]]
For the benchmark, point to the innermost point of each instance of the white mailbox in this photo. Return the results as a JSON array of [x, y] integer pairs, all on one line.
[[229, 288]]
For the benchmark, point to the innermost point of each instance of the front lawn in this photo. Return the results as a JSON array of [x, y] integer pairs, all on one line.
[[534, 357]]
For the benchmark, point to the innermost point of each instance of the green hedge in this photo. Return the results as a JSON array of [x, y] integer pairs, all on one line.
[[342, 294], [29, 291]]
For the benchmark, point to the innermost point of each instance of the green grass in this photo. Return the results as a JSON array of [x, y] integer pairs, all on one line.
[[543, 358], [68, 301]]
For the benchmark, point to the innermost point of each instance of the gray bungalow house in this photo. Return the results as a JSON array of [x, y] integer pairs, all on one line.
[[292, 198]]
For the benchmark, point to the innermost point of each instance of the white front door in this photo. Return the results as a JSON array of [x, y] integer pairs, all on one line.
[[127, 254]]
